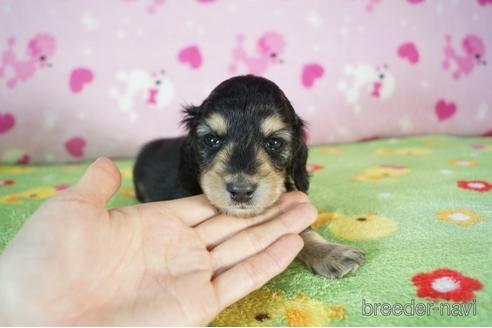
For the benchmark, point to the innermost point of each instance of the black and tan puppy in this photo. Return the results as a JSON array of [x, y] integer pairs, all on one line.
[[245, 147]]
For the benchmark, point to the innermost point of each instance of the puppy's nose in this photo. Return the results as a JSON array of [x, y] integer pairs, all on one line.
[[241, 192]]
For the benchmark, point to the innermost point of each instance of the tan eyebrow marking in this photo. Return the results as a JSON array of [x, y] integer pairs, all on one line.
[[217, 124], [272, 124]]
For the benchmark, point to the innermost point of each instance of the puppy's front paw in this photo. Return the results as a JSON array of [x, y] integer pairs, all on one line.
[[329, 259], [334, 261]]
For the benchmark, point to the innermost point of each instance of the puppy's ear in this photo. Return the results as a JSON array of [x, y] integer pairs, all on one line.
[[297, 169], [190, 119]]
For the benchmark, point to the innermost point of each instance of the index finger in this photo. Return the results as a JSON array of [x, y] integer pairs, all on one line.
[[190, 210]]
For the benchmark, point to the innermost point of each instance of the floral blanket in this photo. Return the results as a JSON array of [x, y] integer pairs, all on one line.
[[421, 209]]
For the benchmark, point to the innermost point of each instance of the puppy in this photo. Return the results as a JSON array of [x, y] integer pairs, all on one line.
[[245, 147]]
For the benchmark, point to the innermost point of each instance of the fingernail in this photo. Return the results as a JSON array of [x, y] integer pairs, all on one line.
[[101, 160]]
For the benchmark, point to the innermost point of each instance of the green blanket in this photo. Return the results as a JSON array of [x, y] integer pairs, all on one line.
[[421, 209]]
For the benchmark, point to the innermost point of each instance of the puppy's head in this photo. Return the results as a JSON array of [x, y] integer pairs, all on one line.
[[249, 145]]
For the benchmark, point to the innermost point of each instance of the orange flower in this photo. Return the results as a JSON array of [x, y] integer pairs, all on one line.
[[462, 217], [463, 162]]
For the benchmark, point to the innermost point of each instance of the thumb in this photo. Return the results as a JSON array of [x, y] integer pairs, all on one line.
[[99, 183]]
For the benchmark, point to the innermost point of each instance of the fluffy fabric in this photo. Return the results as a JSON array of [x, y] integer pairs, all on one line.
[[420, 208], [76, 74]]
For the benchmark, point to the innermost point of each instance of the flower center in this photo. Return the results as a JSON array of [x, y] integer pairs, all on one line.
[[477, 185], [459, 216], [463, 163], [445, 284]]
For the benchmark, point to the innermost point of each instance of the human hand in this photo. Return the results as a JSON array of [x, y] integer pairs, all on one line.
[[166, 263]]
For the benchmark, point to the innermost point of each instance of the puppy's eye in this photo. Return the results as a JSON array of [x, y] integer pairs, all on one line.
[[274, 144], [212, 141]]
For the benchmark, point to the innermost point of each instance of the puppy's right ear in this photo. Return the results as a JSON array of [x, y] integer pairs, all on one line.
[[190, 119]]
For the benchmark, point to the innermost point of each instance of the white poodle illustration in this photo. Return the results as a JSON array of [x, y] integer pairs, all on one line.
[[376, 82], [140, 86]]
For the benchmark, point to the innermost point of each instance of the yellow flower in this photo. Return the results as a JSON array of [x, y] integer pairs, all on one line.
[[15, 169], [408, 151], [330, 150], [463, 217], [267, 307], [71, 167], [382, 172], [10, 199], [34, 193], [297, 318], [362, 227], [126, 172], [303, 311], [434, 143], [323, 218], [414, 151], [463, 162], [383, 152], [128, 192], [39, 193], [337, 312], [263, 307]]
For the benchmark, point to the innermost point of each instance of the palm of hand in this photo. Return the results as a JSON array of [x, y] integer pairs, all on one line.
[[164, 263], [144, 266]]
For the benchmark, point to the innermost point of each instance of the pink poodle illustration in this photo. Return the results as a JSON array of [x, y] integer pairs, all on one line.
[[39, 51], [371, 4], [155, 90], [474, 52], [377, 82], [152, 8], [269, 48], [484, 2], [152, 5]]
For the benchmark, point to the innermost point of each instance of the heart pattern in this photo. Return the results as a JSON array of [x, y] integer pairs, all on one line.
[[191, 55], [388, 62], [444, 110], [75, 147], [79, 78], [311, 73], [408, 51], [7, 122]]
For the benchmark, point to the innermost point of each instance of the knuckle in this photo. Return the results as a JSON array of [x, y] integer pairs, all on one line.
[[300, 197], [254, 275], [255, 240], [308, 211], [274, 259]]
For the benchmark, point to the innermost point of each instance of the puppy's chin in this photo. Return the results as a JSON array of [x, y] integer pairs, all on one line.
[[244, 211]]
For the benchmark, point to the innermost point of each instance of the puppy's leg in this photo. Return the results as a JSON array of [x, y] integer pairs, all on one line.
[[329, 259]]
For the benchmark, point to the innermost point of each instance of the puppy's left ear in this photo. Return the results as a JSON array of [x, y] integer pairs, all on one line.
[[190, 120], [297, 169]]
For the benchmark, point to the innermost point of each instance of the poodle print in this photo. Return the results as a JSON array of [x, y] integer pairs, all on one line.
[[39, 50], [269, 48], [474, 52], [152, 5], [138, 85], [376, 82]]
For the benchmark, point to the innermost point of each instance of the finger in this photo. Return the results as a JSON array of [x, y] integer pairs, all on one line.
[[221, 227], [99, 183], [255, 239], [254, 272], [190, 210]]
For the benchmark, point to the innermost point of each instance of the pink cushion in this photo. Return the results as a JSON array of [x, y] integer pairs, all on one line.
[[81, 79]]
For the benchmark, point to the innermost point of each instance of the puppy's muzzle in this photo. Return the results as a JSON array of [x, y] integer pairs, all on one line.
[[241, 192]]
